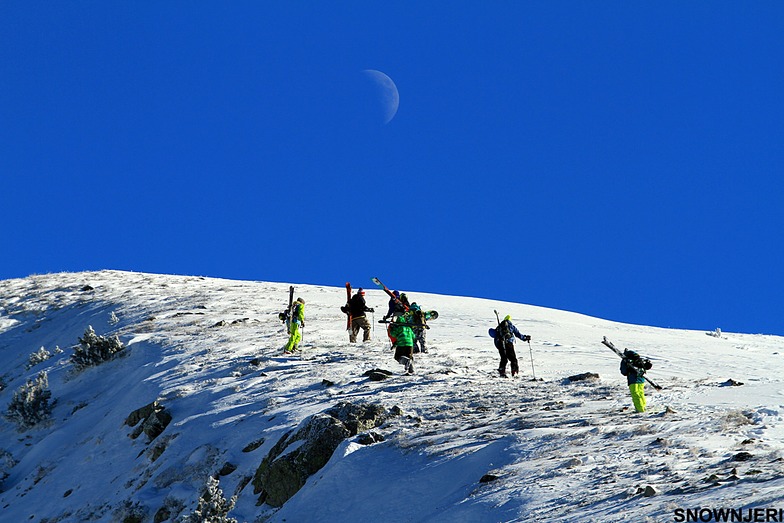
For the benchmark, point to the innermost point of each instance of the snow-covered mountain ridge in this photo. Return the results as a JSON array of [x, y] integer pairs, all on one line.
[[209, 351]]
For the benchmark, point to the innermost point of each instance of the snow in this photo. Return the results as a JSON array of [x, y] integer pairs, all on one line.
[[561, 451]]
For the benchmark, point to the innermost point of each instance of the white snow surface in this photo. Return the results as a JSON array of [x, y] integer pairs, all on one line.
[[561, 451]]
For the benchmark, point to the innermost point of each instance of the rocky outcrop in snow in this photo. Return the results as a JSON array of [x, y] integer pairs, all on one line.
[[301, 453]]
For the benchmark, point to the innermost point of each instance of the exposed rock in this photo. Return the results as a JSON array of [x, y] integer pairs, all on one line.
[[661, 442], [302, 452], [487, 478], [282, 473], [732, 383], [141, 413], [583, 377], [647, 491], [713, 478], [155, 420], [369, 438], [742, 456], [227, 469], [253, 445], [378, 374], [162, 515], [359, 418]]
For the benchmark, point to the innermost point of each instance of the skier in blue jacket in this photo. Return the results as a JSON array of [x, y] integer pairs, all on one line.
[[504, 337]]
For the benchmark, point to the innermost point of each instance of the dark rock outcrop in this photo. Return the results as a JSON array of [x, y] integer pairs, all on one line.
[[302, 452], [154, 418], [583, 377]]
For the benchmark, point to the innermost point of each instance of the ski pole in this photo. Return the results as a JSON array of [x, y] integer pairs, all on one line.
[[302, 343], [532, 359]]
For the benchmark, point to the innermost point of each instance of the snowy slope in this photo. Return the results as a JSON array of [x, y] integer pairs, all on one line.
[[560, 451]]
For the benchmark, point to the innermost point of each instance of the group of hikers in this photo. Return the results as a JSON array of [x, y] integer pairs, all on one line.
[[407, 324]]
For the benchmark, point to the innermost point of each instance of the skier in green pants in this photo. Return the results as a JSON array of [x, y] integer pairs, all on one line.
[[296, 323], [633, 366]]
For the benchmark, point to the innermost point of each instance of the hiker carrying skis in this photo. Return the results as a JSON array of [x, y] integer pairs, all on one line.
[[633, 366], [402, 337], [419, 319], [504, 339], [357, 309], [395, 307], [296, 323]]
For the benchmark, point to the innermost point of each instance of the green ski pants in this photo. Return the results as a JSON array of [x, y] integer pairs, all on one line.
[[638, 396]]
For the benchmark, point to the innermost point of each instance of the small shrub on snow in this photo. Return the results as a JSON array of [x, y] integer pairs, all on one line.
[[213, 507], [39, 356], [30, 404], [94, 350]]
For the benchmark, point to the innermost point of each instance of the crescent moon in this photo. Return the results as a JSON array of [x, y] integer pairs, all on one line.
[[390, 98]]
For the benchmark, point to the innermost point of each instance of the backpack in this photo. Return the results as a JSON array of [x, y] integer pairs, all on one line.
[[637, 361], [503, 332]]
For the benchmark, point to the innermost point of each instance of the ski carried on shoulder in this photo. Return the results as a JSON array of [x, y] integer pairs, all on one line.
[[348, 305], [285, 316], [406, 324], [389, 293], [607, 343]]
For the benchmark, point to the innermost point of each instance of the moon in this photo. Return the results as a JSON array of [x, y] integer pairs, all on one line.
[[386, 90]]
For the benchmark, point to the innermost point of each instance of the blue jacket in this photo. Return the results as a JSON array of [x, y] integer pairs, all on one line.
[[513, 332]]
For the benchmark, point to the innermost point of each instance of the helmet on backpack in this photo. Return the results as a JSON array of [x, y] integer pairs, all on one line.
[[636, 360]]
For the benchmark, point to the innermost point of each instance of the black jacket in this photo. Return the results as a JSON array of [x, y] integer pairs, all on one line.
[[357, 306]]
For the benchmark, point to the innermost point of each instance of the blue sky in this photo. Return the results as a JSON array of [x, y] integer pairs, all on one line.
[[620, 159]]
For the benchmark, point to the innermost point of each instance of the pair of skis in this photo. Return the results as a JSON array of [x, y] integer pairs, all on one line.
[[285, 316], [607, 343], [433, 314], [348, 306], [390, 294]]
